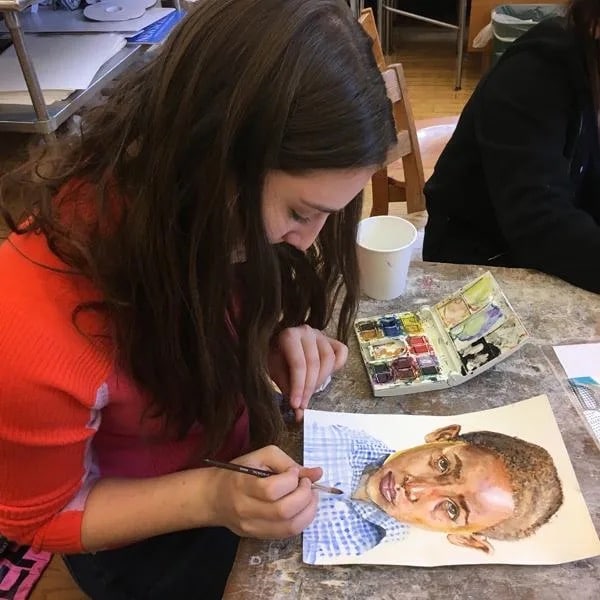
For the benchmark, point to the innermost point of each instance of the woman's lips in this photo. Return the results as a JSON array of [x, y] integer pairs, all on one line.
[[387, 487]]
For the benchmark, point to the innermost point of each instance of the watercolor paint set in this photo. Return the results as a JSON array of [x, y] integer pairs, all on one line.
[[442, 345]]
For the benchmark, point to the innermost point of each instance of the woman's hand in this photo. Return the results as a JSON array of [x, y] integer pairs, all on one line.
[[278, 506], [301, 360], [121, 511]]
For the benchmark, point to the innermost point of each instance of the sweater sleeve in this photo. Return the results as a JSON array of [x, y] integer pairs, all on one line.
[[521, 126], [50, 404]]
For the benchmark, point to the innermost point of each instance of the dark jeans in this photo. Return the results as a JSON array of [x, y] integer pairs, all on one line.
[[184, 565]]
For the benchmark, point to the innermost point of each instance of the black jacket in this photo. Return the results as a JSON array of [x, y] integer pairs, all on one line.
[[519, 182]]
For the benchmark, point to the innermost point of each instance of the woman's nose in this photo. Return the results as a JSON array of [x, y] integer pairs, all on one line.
[[297, 241], [304, 237]]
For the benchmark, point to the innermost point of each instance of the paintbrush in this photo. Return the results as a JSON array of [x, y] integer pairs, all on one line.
[[262, 473]]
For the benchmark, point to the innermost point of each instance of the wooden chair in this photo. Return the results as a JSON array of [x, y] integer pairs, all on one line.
[[367, 20], [385, 188]]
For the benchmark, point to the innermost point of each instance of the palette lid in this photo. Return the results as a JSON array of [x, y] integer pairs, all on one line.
[[480, 322]]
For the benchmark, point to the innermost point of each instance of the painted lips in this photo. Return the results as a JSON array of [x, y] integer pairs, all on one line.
[[387, 487]]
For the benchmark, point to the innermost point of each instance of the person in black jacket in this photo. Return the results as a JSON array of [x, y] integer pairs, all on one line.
[[518, 184]]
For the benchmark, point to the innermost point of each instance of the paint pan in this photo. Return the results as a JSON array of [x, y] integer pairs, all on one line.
[[387, 349], [369, 330]]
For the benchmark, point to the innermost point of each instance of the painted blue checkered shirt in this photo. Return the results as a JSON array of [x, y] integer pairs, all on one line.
[[345, 527]]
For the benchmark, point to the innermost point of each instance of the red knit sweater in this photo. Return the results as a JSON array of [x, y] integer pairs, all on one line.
[[67, 417]]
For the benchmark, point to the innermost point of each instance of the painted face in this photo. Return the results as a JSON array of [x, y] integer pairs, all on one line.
[[295, 207], [443, 486]]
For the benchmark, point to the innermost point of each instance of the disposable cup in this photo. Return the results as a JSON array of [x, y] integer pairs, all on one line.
[[384, 247]]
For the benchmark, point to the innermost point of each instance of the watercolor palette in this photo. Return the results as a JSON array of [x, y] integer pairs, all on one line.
[[441, 345]]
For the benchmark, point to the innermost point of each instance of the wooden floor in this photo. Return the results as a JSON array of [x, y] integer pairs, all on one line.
[[428, 56], [429, 60]]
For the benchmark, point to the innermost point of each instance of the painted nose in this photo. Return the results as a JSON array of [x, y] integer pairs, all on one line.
[[414, 488]]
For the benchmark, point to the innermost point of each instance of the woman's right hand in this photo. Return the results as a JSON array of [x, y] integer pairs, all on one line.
[[277, 507]]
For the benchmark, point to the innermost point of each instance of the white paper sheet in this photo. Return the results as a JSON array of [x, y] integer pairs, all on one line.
[[580, 360], [63, 63]]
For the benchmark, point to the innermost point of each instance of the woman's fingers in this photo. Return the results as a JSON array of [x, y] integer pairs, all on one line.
[[288, 517], [311, 358]]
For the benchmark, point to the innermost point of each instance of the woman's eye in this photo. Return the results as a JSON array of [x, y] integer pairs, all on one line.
[[452, 510], [298, 217], [443, 464]]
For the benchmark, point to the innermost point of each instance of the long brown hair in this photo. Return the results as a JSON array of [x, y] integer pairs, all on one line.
[[240, 88], [584, 19]]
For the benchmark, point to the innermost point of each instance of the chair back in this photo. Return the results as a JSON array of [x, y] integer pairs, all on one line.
[[387, 189], [408, 181], [395, 87], [367, 20]]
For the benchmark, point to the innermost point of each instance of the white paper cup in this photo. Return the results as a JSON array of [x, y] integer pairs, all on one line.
[[384, 247]]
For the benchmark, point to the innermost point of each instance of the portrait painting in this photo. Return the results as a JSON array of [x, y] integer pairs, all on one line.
[[494, 486]]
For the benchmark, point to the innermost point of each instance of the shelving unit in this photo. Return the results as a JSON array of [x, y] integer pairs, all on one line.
[[41, 117]]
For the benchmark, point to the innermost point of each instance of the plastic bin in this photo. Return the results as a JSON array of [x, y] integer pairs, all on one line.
[[510, 21]]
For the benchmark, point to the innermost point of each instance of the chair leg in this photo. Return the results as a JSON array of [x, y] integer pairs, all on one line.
[[381, 193], [414, 183], [462, 25]]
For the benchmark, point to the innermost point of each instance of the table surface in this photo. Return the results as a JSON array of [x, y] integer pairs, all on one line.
[[554, 313]]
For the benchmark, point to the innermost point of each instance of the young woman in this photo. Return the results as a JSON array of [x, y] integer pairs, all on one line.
[[176, 259], [519, 182]]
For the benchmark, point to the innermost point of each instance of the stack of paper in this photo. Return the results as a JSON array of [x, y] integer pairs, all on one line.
[[63, 63], [581, 363], [46, 20]]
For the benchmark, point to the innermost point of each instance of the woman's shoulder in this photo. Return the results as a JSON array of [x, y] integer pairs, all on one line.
[[544, 69], [551, 41], [552, 33], [37, 303], [33, 276]]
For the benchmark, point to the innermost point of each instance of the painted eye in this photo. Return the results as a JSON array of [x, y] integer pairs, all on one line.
[[443, 464], [298, 217], [452, 510]]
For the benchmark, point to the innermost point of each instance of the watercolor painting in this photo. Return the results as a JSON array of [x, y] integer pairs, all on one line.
[[442, 345], [495, 486]]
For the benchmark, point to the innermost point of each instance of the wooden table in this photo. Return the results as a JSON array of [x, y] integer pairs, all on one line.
[[554, 313]]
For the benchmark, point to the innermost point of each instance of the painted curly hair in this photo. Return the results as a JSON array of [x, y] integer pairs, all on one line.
[[537, 490]]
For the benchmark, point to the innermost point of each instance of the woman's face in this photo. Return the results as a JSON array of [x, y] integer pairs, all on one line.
[[295, 207]]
